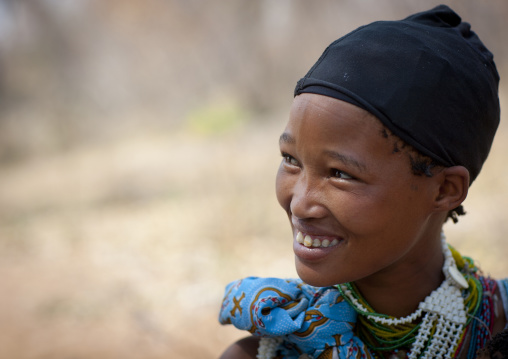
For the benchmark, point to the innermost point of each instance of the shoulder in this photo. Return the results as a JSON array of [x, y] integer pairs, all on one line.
[[245, 348], [501, 303]]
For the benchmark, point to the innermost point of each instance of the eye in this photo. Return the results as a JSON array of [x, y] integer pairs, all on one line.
[[290, 160], [335, 173]]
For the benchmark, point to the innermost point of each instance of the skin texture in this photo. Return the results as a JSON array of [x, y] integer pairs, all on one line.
[[340, 178]]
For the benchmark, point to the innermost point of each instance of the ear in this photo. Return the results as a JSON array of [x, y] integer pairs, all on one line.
[[453, 188]]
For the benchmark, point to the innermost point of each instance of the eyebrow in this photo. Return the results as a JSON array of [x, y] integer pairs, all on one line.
[[286, 138], [348, 160]]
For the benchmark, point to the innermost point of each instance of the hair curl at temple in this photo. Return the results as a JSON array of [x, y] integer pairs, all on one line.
[[421, 165]]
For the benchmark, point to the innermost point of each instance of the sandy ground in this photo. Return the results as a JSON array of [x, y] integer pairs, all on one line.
[[123, 250]]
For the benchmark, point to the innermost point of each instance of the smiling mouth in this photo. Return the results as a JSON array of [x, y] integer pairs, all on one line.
[[308, 241]]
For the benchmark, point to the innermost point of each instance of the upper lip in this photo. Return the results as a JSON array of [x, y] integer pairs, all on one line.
[[312, 230]]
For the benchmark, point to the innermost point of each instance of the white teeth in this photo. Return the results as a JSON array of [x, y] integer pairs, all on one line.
[[307, 242], [299, 237]]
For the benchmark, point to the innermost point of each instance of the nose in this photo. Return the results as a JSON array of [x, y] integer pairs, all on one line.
[[308, 199]]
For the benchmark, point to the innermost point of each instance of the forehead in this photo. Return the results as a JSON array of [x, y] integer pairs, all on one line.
[[327, 121]]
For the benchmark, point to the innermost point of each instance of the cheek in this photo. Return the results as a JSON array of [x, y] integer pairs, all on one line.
[[382, 213], [283, 189], [364, 213]]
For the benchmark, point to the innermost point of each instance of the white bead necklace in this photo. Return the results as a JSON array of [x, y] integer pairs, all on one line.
[[268, 347], [443, 309]]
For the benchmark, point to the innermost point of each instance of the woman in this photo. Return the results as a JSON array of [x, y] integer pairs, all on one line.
[[386, 133]]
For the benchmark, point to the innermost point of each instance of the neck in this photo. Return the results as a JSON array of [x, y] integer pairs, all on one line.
[[399, 289]]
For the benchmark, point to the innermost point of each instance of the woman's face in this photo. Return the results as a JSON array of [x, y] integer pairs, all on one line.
[[360, 210]]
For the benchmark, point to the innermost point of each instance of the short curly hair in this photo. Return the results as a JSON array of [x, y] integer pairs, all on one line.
[[421, 165]]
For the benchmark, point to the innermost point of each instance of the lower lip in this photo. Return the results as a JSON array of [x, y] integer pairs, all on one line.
[[313, 254]]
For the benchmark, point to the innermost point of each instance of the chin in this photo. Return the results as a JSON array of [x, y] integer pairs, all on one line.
[[314, 278]]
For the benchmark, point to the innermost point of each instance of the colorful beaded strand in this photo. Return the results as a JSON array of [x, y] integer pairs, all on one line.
[[483, 320], [434, 332]]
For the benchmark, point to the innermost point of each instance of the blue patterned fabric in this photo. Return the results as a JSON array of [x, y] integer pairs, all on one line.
[[311, 320]]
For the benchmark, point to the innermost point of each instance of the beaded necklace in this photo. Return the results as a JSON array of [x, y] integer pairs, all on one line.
[[460, 308], [441, 323], [483, 321]]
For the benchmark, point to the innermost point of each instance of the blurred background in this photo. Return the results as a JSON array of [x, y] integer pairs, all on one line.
[[138, 150]]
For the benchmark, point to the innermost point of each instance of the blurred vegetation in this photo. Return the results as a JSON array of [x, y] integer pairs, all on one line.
[[78, 72], [215, 118], [138, 148]]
